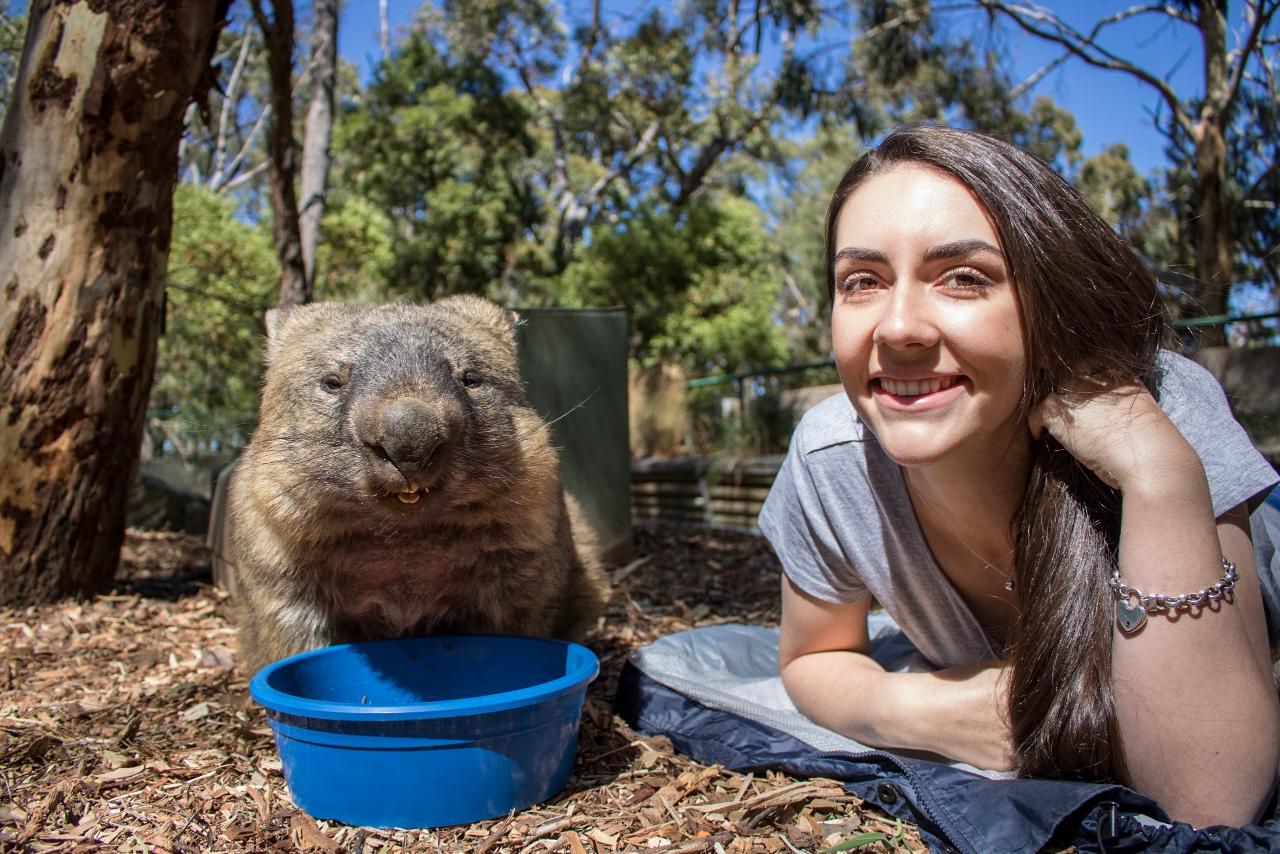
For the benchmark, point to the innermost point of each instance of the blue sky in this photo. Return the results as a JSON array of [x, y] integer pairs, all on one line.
[[1109, 107]]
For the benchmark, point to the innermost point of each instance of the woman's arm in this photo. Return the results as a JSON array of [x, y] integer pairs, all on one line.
[[828, 672], [1195, 696]]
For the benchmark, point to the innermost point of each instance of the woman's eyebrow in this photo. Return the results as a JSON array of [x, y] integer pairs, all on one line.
[[855, 253], [958, 248]]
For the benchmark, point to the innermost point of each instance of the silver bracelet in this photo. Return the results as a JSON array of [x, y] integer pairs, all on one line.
[[1132, 617]]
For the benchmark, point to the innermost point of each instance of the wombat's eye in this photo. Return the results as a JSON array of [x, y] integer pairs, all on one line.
[[332, 383], [471, 379]]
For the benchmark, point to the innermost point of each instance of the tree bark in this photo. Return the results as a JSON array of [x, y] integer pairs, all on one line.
[[295, 288], [88, 160], [1213, 212], [319, 130], [384, 30]]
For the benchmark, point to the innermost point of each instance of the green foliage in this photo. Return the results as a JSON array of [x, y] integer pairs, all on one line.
[[1111, 184], [435, 148], [797, 208], [701, 283], [223, 275], [1255, 187], [356, 253]]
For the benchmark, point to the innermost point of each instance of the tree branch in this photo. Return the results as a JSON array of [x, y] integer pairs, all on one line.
[[1261, 17], [1039, 74], [1080, 45], [226, 180], [244, 177], [230, 96]]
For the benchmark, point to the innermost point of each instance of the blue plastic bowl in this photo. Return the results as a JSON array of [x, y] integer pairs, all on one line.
[[427, 732]]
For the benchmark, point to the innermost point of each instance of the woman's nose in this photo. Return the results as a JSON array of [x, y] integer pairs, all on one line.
[[907, 319]]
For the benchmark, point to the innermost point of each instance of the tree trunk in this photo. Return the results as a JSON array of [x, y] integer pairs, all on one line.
[[384, 30], [88, 160], [1214, 252], [319, 130], [295, 289]]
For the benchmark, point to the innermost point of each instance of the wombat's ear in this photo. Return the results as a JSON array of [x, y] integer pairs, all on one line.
[[277, 321], [481, 312]]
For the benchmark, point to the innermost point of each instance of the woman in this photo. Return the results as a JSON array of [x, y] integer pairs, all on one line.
[[1004, 455]]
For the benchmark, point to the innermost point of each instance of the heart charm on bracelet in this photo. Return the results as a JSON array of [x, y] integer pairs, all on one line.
[[1130, 617]]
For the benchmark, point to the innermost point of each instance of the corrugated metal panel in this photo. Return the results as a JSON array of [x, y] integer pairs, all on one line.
[[574, 366]]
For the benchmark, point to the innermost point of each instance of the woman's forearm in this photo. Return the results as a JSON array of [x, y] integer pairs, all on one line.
[[957, 713], [1195, 698]]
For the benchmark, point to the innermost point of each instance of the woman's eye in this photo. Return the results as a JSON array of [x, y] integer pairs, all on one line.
[[332, 383], [471, 379], [856, 283], [966, 280]]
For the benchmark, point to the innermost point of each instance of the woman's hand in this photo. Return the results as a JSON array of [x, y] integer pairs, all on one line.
[[1117, 431]]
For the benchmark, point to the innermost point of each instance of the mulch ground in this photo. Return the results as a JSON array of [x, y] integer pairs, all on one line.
[[125, 725]]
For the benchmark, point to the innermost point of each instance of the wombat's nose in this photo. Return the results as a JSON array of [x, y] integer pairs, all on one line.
[[407, 434]]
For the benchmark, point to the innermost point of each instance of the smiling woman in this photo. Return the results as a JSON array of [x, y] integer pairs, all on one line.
[[925, 322], [1015, 460]]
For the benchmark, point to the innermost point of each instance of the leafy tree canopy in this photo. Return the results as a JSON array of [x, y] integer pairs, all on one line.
[[701, 283], [223, 276]]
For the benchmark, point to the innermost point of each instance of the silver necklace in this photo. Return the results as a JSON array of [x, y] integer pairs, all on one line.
[[1008, 581]]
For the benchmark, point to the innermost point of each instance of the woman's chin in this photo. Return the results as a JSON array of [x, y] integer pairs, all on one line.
[[917, 454]]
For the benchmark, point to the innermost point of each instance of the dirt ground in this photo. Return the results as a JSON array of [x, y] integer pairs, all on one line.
[[125, 725]]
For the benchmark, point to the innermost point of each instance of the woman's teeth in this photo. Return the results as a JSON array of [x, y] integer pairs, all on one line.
[[914, 388]]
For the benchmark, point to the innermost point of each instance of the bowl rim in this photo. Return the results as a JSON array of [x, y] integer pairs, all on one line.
[[584, 667]]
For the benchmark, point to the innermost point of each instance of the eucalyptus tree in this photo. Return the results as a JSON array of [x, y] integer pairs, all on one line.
[[318, 131], [277, 25], [88, 160], [1214, 141], [431, 180]]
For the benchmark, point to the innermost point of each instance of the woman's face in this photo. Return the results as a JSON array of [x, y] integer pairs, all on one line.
[[925, 320]]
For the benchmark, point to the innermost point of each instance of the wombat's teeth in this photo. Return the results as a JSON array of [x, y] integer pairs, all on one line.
[[411, 496]]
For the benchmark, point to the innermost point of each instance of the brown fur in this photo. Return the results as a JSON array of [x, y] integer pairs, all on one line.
[[324, 550]]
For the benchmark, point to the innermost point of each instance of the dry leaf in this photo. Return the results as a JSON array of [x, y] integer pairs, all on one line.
[[119, 774]]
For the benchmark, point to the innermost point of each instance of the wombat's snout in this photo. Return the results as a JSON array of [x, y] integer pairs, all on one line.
[[410, 434]]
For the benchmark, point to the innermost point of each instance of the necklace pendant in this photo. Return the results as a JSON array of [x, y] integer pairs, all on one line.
[[1008, 584]]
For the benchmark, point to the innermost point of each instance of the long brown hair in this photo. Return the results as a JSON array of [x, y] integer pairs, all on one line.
[[1089, 307]]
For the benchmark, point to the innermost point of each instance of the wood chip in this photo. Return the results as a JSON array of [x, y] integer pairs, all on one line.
[[310, 836], [122, 728]]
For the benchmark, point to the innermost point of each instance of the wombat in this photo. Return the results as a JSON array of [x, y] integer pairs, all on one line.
[[399, 484]]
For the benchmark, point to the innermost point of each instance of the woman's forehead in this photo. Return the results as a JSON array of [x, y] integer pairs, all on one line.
[[913, 204]]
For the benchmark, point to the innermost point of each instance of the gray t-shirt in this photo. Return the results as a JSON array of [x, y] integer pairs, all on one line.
[[841, 522]]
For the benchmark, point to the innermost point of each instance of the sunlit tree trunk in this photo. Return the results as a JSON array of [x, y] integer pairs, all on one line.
[[278, 30], [1213, 210], [319, 129], [88, 161]]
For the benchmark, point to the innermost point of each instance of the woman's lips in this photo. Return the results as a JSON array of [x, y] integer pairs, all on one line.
[[912, 388], [917, 393]]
